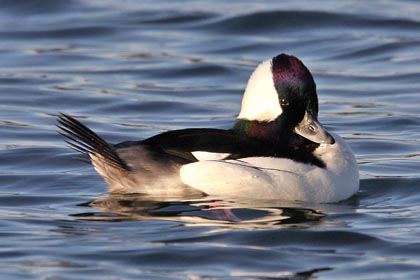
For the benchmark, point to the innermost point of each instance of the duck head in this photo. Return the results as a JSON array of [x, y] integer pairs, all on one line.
[[280, 100]]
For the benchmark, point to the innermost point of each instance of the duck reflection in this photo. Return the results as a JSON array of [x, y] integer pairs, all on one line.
[[212, 211]]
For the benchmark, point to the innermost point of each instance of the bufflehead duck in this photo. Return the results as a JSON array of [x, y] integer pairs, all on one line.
[[276, 149]]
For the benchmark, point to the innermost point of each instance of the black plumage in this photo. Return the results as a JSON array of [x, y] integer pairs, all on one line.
[[178, 145]]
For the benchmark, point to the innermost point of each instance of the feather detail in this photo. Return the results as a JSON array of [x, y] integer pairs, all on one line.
[[82, 139]]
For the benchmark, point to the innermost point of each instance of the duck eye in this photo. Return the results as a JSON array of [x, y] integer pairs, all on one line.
[[284, 102]]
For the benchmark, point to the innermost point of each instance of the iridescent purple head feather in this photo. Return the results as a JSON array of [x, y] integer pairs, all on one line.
[[290, 71], [291, 75]]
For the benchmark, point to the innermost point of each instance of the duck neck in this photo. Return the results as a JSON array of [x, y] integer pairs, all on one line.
[[266, 131]]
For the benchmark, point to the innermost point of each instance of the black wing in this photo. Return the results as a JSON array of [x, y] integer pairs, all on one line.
[[185, 141], [204, 139], [181, 143]]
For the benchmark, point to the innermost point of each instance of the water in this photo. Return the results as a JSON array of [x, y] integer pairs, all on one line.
[[131, 69]]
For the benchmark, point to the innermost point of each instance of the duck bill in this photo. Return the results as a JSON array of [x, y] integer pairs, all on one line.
[[312, 130]]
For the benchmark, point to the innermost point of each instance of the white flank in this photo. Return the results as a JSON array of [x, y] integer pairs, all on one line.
[[279, 178]]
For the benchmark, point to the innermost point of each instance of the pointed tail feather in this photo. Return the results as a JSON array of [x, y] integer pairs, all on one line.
[[85, 141]]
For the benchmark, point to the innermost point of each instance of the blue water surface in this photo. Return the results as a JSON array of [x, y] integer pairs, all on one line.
[[131, 69]]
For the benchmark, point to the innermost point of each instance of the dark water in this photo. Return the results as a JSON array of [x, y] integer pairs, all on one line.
[[130, 69]]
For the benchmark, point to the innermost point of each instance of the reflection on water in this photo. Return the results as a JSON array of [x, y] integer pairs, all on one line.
[[246, 214]]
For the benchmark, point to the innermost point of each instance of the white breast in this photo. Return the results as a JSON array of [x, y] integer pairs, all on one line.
[[279, 178]]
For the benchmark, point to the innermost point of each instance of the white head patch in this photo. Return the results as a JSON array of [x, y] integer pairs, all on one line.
[[260, 101]]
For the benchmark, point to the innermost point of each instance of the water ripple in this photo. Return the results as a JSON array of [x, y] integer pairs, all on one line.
[[136, 68], [278, 21]]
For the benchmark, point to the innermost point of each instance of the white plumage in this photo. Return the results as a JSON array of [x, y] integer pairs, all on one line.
[[279, 178], [260, 101]]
